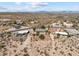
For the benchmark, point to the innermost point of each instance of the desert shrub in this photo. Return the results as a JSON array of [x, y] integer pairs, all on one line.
[[8, 34], [58, 35], [25, 50], [14, 22], [42, 36], [56, 48], [14, 50], [71, 49], [38, 50], [63, 41], [33, 34], [43, 27], [26, 55], [16, 55], [62, 52], [37, 33], [46, 54], [33, 29], [4, 54], [2, 46], [69, 54]]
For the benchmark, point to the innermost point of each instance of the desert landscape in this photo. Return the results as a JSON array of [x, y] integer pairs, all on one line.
[[39, 34]]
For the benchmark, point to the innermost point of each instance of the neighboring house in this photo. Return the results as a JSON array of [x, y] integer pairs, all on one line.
[[19, 22], [67, 32], [67, 24], [72, 32], [56, 27], [5, 20], [21, 30]]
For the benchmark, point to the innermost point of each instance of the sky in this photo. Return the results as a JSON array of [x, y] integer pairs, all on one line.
[[38, 6]]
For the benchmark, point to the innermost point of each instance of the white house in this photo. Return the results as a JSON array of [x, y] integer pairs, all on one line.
[[55, 27], [58, 25], [68, 25], [72, 31], [5, 20], [21, 30], [67, 32]]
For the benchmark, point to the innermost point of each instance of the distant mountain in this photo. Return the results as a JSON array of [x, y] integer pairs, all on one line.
[[56, 12], [42, 12]]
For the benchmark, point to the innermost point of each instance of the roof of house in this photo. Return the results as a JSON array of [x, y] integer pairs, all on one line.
[[18, 29], [56, 25], [41, 30], [68, 24], [5, 19], [22, 31], [61, 33]]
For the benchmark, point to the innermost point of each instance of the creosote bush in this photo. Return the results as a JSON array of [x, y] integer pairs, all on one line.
[[2, 46], [42, 36]]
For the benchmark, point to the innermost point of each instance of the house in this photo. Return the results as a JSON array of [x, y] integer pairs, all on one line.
[[67, 24], [72, 32], [20, 22], [67, 32], [5, 20], [55, 27], [21, 30]]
